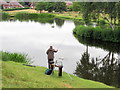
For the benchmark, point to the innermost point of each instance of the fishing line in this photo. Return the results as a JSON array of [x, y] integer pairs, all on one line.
[[59, 49], [61, 58], [70, 76]]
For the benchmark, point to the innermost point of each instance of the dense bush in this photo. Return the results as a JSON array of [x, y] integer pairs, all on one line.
[[25, 15], [12, 9], [84, 31], [41, 17], [97, 33], [106, 34], [45, 15], [16, 57], [101, 22], [4, 15]]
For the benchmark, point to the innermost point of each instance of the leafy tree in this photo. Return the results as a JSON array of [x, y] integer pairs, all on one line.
[[109, 11], [60, 6], [22, 3], [1, 7], [70, 8], [25, 4], [118, 11], [51, 6], [98, 9], [87, 8], [41, 6], [76, 6]]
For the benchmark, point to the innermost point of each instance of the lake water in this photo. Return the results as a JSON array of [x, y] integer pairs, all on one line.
[[34, 38]]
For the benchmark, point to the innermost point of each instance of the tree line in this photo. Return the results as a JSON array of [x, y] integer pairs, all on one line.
[[51, 6], [109, 11]]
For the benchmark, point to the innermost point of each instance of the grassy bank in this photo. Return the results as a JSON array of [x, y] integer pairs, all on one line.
[[15, 75], [98, 33], [69, 15], [24, 10]]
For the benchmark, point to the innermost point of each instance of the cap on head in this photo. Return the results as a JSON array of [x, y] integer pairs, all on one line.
[[51, 47]]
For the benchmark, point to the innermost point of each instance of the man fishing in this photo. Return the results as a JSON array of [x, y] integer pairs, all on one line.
[[50, 52]]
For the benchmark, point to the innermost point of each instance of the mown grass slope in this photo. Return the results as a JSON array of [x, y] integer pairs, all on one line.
[[16, 75]]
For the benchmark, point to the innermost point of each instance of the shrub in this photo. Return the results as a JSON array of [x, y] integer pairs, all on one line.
[[25, 15], [4, 15], [97, 33], [45, 15], [42, 17], [106, 34], [101, 22], [84, 31], [89, 32], [116, 35], [16, 57]]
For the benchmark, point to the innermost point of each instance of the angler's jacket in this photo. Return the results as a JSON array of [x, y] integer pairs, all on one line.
[[50, 53]]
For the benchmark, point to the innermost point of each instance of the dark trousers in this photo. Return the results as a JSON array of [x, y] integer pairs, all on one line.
[[50, 62]]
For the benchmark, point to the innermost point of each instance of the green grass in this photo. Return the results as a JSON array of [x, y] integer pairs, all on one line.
[[0, 73], [16, 75], [69, 15], [68, 18]]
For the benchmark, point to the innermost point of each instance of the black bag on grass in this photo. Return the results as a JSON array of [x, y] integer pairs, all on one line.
[[48, 71]]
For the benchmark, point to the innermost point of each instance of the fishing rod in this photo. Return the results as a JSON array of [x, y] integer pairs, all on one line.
[[62, 58], [61, 64]]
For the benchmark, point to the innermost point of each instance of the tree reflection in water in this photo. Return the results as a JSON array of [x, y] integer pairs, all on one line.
[[59, 22], [106, 70]]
